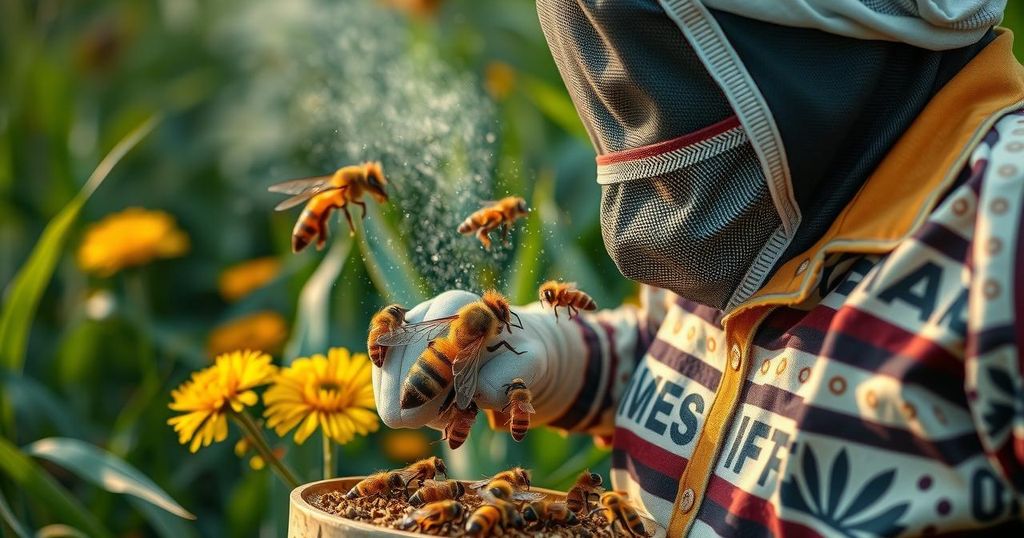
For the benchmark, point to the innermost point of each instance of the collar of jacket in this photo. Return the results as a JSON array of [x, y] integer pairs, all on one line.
[[905, 188]]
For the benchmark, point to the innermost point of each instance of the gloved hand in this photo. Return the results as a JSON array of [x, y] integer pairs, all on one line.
[[550, 365]]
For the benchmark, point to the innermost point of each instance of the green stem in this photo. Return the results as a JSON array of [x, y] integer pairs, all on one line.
[[260, 443], [328, 457]]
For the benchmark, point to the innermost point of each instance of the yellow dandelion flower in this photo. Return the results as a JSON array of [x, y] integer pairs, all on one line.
[[130, 238], [499, 79], [207, 397], [333, 393], [263, 331], [244, 278], [406, 445]]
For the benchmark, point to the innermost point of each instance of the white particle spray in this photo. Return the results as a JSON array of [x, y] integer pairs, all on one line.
[[340, 83]]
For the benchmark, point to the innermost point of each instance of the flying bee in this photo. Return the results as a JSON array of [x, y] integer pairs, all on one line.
[[383, 322], [324, 194], [586, 485], [545, 513], [565, 294], [503, 490], [502, 214], [517, 476], [519, 408], [433, 491], [460, 421], [455, 356], [616, 508], [435, 517], [381, 484], [425, 469]]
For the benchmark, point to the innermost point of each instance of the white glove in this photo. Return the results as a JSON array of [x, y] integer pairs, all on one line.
[[551, 365]]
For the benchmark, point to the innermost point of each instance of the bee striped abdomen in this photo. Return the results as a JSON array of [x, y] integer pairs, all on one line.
[[520, 423], [483, 521], [428, 377], [584, 302], [307, 227]]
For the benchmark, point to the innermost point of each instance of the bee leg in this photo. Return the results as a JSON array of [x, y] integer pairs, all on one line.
[[518, 320], [506, 344], [481, 234], [555, 308], [362, 205], [348, 217]]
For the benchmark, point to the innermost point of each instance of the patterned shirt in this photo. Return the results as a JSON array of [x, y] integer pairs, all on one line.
[[874, 386]]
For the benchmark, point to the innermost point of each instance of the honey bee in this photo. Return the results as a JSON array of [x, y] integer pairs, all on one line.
[[503, 490], [484, 521], [432, 491], [586, 485], [456, 355], [501, 213], [565, 294], [517, 476], [327, 193], [545, 513], [460, 421], [436, 517], [492, 517], [384, 321], [425, 469], [616, 508], [519, 407], [381, 484]]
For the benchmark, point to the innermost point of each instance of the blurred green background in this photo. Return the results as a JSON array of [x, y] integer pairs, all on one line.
[[459, 99]]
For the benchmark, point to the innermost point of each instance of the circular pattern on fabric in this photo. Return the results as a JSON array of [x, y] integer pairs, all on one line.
[[837, 385]]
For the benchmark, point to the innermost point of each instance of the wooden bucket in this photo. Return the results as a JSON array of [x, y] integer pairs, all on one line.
[[305, 520]]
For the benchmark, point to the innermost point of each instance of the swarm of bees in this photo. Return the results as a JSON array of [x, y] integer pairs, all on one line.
[[507, 502], [451, 361]]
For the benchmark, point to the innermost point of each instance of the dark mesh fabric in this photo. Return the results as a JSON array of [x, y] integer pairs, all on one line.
[[694, 235], [632, 76], [840, 104]]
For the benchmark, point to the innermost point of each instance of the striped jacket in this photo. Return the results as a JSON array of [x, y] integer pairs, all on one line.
[[874, 386]]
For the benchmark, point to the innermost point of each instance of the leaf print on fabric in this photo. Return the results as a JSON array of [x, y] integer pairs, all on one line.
[[863, 514]]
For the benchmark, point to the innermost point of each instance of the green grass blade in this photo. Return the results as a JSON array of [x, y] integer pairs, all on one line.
[[105, 470], [555, 103], [8, 519], [60, 531], [28, 285], [36, 483], [310, 332], [387, 262], [524, 272]]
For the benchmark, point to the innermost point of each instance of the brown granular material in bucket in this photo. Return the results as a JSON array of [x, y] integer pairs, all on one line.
[[385, 512]]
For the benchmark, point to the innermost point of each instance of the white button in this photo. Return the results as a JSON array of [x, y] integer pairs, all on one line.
[[735, 357], [803, 267], [687, 503]]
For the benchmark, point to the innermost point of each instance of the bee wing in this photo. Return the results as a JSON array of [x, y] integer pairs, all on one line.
[[306, 185], [409, 333], [466, 368], [527, 407], [528, 496], [431, 483], [479, 483], [421, 513]]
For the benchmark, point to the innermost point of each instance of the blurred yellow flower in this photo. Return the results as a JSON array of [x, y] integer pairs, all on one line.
[[130, 238], [242, 448], [406, 445], [244, 278], [263, 331], [333, 393], [499, 79], [207, 397]]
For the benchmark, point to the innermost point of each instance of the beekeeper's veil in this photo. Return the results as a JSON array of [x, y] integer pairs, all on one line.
[[730, 133]]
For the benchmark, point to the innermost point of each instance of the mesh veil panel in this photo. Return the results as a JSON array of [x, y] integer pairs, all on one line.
[[632, 76], [699, 232]]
